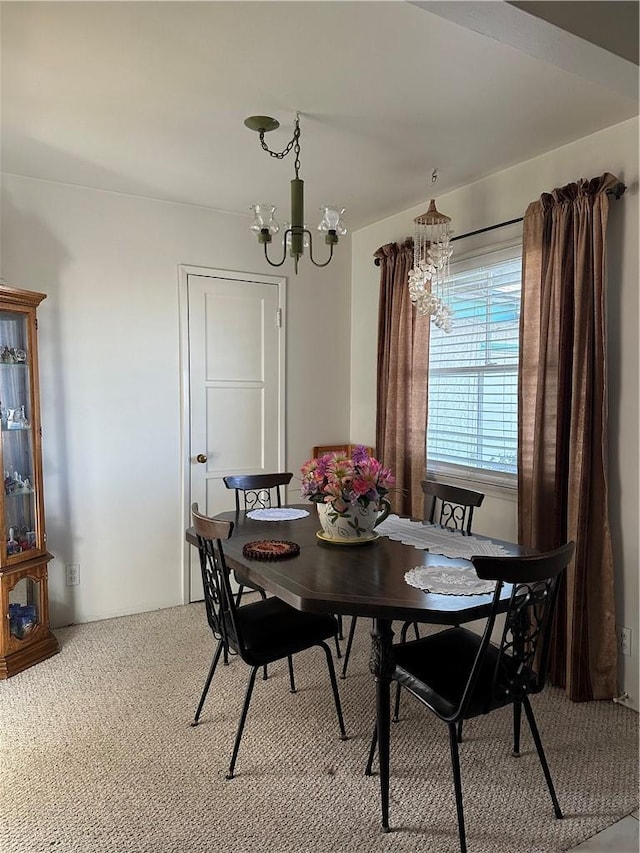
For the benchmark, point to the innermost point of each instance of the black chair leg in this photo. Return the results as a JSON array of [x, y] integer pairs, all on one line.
[[240, 592], [337, 642], [459, 731], [457, 782], [396, 707], [403, 639], [543, 761], [243, 717], [334, 687], [517, 713], [347, 651], [292, 681], [263, 595], [207, 684], [340, 633], [372, 752]]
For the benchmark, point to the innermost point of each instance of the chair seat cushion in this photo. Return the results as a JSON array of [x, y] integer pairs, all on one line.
[[271, 630], [436, 670]]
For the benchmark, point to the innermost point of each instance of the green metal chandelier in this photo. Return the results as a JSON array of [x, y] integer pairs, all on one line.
[[296, 236]]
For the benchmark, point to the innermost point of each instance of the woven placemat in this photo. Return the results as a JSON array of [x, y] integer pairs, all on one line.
[[270, 549]]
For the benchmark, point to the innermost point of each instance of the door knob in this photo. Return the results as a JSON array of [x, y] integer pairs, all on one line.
[[201, 458]]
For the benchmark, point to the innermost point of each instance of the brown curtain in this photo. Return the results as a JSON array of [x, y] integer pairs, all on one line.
[[562, 429], [403, 368]]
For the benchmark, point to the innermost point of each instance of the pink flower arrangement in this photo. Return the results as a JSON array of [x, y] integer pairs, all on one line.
[[342, 480]]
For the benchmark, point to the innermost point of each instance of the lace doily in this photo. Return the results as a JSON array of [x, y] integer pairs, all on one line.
[[280, 513], [438, 540], [446, 580]]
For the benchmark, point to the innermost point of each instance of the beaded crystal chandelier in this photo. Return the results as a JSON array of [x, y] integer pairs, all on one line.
[[429, 277]]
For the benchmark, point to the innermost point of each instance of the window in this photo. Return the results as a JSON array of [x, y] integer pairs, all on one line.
[[473, 372]]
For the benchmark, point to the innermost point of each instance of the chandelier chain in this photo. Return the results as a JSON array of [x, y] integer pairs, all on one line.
[[280, 155]]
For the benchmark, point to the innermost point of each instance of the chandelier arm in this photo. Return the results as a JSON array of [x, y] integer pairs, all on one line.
[[316, 263], [284, 251]]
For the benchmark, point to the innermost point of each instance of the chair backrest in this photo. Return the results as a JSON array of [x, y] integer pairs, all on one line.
[[519, 660], [218, 596], [258, 490], [450, 506]]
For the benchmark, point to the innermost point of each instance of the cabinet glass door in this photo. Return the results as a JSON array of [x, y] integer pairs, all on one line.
[[24, 608], [20, 517]]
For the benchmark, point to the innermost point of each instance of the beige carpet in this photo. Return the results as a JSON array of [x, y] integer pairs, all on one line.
[[97, 755]]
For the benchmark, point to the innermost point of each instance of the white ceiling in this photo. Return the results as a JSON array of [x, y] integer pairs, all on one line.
[[149, 98]]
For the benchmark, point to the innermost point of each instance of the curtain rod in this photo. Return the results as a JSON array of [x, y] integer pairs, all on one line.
[[617, 191], [488, 228]]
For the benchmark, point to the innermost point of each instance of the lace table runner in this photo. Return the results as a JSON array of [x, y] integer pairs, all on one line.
[[438, 540], [281, 513], [447, 580]]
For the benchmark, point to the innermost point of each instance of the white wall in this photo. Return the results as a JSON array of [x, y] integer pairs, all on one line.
[[499, 198], [110, 376]]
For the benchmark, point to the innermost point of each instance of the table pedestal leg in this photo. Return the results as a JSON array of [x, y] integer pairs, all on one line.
[[382, 665]]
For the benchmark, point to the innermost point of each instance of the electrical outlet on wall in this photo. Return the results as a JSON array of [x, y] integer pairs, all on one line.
[[73, 574], [624, 640]]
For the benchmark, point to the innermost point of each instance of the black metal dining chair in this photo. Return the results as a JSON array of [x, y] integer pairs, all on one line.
[[258, 491], [260, 633], [263, 491], [452, 507], [458, 674], [449, 506]]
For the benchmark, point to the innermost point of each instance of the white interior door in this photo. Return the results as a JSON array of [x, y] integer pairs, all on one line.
[[236, 388]]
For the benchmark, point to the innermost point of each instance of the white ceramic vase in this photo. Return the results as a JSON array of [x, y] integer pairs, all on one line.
[[356, 523]]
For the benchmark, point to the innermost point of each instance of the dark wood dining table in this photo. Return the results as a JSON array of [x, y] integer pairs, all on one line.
[[366, 579]]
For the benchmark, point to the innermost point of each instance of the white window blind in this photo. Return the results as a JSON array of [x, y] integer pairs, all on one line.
[[473, 370]]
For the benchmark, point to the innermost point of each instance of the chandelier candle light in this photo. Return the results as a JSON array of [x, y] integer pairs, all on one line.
[[429, 277], [297, 236]]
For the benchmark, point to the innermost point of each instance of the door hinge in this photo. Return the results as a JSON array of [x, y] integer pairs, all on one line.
[[279, 318]]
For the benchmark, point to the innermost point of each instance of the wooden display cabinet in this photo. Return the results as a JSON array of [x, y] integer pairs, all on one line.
[[25, 637]]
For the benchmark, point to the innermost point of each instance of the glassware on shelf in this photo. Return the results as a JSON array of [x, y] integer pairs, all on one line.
[[13, 546], [17, 419], [14, 484], [12, 355], [23, 618]]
